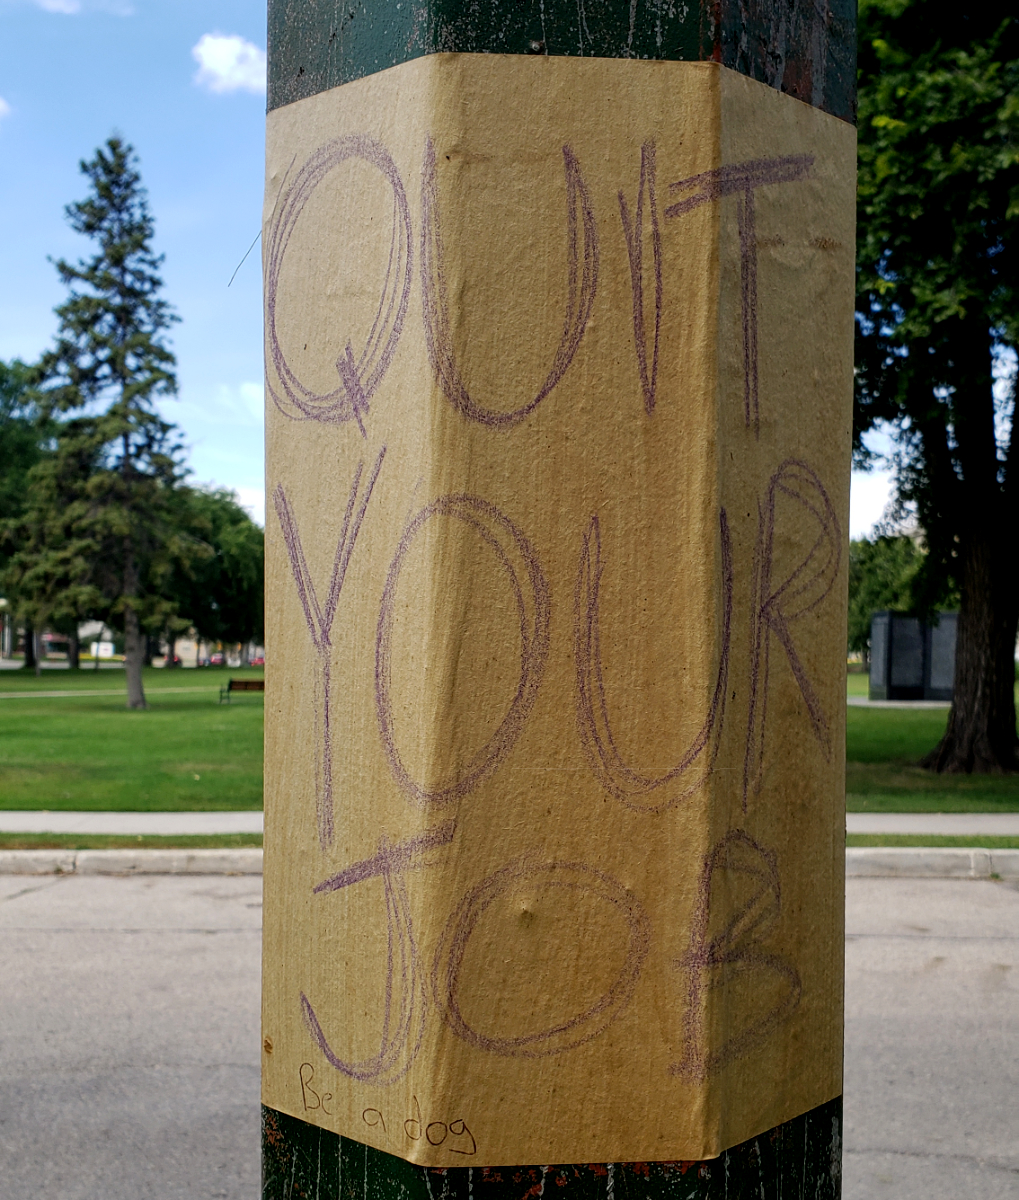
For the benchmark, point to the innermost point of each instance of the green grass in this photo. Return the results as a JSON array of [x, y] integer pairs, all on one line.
[[883, 746], [187, 752], [107, 841], [190, 753], [979, 842], [857, 683], [113, 679]]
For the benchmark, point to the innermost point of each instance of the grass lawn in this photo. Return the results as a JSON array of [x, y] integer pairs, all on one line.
[[83, 751], [105, 841], [857, 684], [883, 746], [911, 839]]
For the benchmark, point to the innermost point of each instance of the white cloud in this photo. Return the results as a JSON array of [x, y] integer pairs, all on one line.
[[5, 108], [116, 8], [253, 499], [242, 405], [869, 498], [228, 63]]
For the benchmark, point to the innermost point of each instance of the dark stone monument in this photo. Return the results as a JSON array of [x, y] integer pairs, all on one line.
[[911, 659]]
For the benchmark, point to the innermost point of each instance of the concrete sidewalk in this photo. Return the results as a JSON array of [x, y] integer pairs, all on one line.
[[182, 824], [946, 824], [128, 824], [914, 862]]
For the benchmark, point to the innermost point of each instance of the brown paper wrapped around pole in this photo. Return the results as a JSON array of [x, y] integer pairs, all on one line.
[[559, 371]]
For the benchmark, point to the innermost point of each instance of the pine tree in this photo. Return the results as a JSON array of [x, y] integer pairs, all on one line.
[[102, 530]]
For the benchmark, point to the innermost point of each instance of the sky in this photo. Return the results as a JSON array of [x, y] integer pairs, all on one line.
[[184, 82]]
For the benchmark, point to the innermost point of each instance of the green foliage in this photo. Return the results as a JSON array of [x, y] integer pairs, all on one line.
[[220, 592], [20, 436], [103, 525], [938, 256], [882, 574], [937, 314]]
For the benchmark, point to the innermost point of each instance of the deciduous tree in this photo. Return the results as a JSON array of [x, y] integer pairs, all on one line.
[[882, 574], [220, 590], [938, 308]]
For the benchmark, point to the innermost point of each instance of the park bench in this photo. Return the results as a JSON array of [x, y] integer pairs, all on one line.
[[240, 685]]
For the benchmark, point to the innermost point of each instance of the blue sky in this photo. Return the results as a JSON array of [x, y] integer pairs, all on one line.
[[71, 73], [184, 82]]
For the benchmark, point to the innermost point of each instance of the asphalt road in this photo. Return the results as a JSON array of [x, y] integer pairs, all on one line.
[[932, 1040], [129, 1039], [129, 1053]]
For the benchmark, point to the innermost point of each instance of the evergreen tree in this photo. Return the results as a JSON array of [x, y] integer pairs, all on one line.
[[105, 508], [20, 449], [47, 568], [938, 303], [20, 436]]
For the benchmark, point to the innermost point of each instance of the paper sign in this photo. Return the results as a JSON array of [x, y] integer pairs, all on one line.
[[559, 361]]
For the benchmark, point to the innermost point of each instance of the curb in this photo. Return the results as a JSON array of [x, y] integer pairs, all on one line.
[[942, 862], [131, 862], [880, 862]]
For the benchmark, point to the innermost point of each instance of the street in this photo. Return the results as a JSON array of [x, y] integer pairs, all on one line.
[[129, 1045], [932, 1040]]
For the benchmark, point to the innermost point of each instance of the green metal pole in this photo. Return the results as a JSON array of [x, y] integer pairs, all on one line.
[[802, 48], [806, 50], [799, 1160]]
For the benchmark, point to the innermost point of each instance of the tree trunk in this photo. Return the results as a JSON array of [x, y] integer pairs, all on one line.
[[37, 652], [171, 650], [29, 646], [73, 652], [245, 654], [134, 654], [981, 735]]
